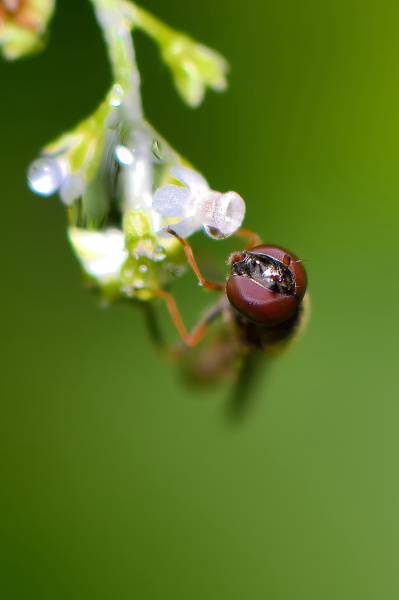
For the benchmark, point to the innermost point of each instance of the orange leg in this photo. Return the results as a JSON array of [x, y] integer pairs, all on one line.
[[189, 339], [252, 238], [197, 335], [209, 285], [174, 313], [193, 338]]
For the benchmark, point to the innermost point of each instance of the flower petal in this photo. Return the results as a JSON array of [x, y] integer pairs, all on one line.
[[224, 215], [72, 188], [171, 201], [190, 178], [186, 227], [100, 253]]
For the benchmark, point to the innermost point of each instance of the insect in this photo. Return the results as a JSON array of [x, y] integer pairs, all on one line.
[[128, 228], [260, 309]]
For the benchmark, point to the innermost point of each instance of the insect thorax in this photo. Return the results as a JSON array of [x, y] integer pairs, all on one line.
[[266, 271]]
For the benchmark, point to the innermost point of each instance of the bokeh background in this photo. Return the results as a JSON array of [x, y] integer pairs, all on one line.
[[118, 481]]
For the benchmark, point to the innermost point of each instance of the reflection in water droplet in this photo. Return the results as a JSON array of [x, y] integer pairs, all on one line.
[[143, 268], [45, 176], [156, 149], [117, 95], [123, 155], [159, 254]]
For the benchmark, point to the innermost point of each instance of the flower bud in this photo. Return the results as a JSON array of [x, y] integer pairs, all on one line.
[[194, 68], [22, 26]]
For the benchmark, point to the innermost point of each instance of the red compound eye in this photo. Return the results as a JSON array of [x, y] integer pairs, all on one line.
[[266, 285]]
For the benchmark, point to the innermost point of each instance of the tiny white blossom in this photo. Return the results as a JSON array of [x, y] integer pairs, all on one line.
[[72, 188], [101, 253], [197, 206]]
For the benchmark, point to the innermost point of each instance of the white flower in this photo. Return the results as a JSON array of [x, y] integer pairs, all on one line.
[[101, 253], [196, 206]]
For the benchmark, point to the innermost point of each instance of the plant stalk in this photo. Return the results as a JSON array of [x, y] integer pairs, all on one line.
[[116, 31]]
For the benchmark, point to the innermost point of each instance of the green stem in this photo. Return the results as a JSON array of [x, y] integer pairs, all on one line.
[[116, 31], [152, 26]]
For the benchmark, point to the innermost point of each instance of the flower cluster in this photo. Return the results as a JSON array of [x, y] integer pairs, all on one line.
[[122, 184], [118, 180]]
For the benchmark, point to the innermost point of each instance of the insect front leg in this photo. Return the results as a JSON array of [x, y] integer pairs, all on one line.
[[195, 336], [209, 285]]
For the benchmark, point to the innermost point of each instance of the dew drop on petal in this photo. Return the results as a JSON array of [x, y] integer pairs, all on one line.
[[45, 176], [117, 95], [124, 156], [159, 254]]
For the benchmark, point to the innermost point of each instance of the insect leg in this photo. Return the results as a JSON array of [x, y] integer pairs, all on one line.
[[174, 313], [209, 285], [196, 335]]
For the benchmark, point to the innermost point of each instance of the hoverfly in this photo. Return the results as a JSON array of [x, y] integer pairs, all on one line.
[[260, 310], [128, 228], [132, 201]]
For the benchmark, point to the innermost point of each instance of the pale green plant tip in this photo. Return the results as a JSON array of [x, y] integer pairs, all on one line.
[[194, 68], [23, 27]]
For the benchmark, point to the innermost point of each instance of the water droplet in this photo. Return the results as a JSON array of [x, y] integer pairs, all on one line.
[[45, 176], [117, 95], [124, 156], [156, 149], [159, 254], [138, 284], [143, 268]]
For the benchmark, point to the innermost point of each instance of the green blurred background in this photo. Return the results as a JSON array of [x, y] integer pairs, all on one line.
[[117, 481]]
